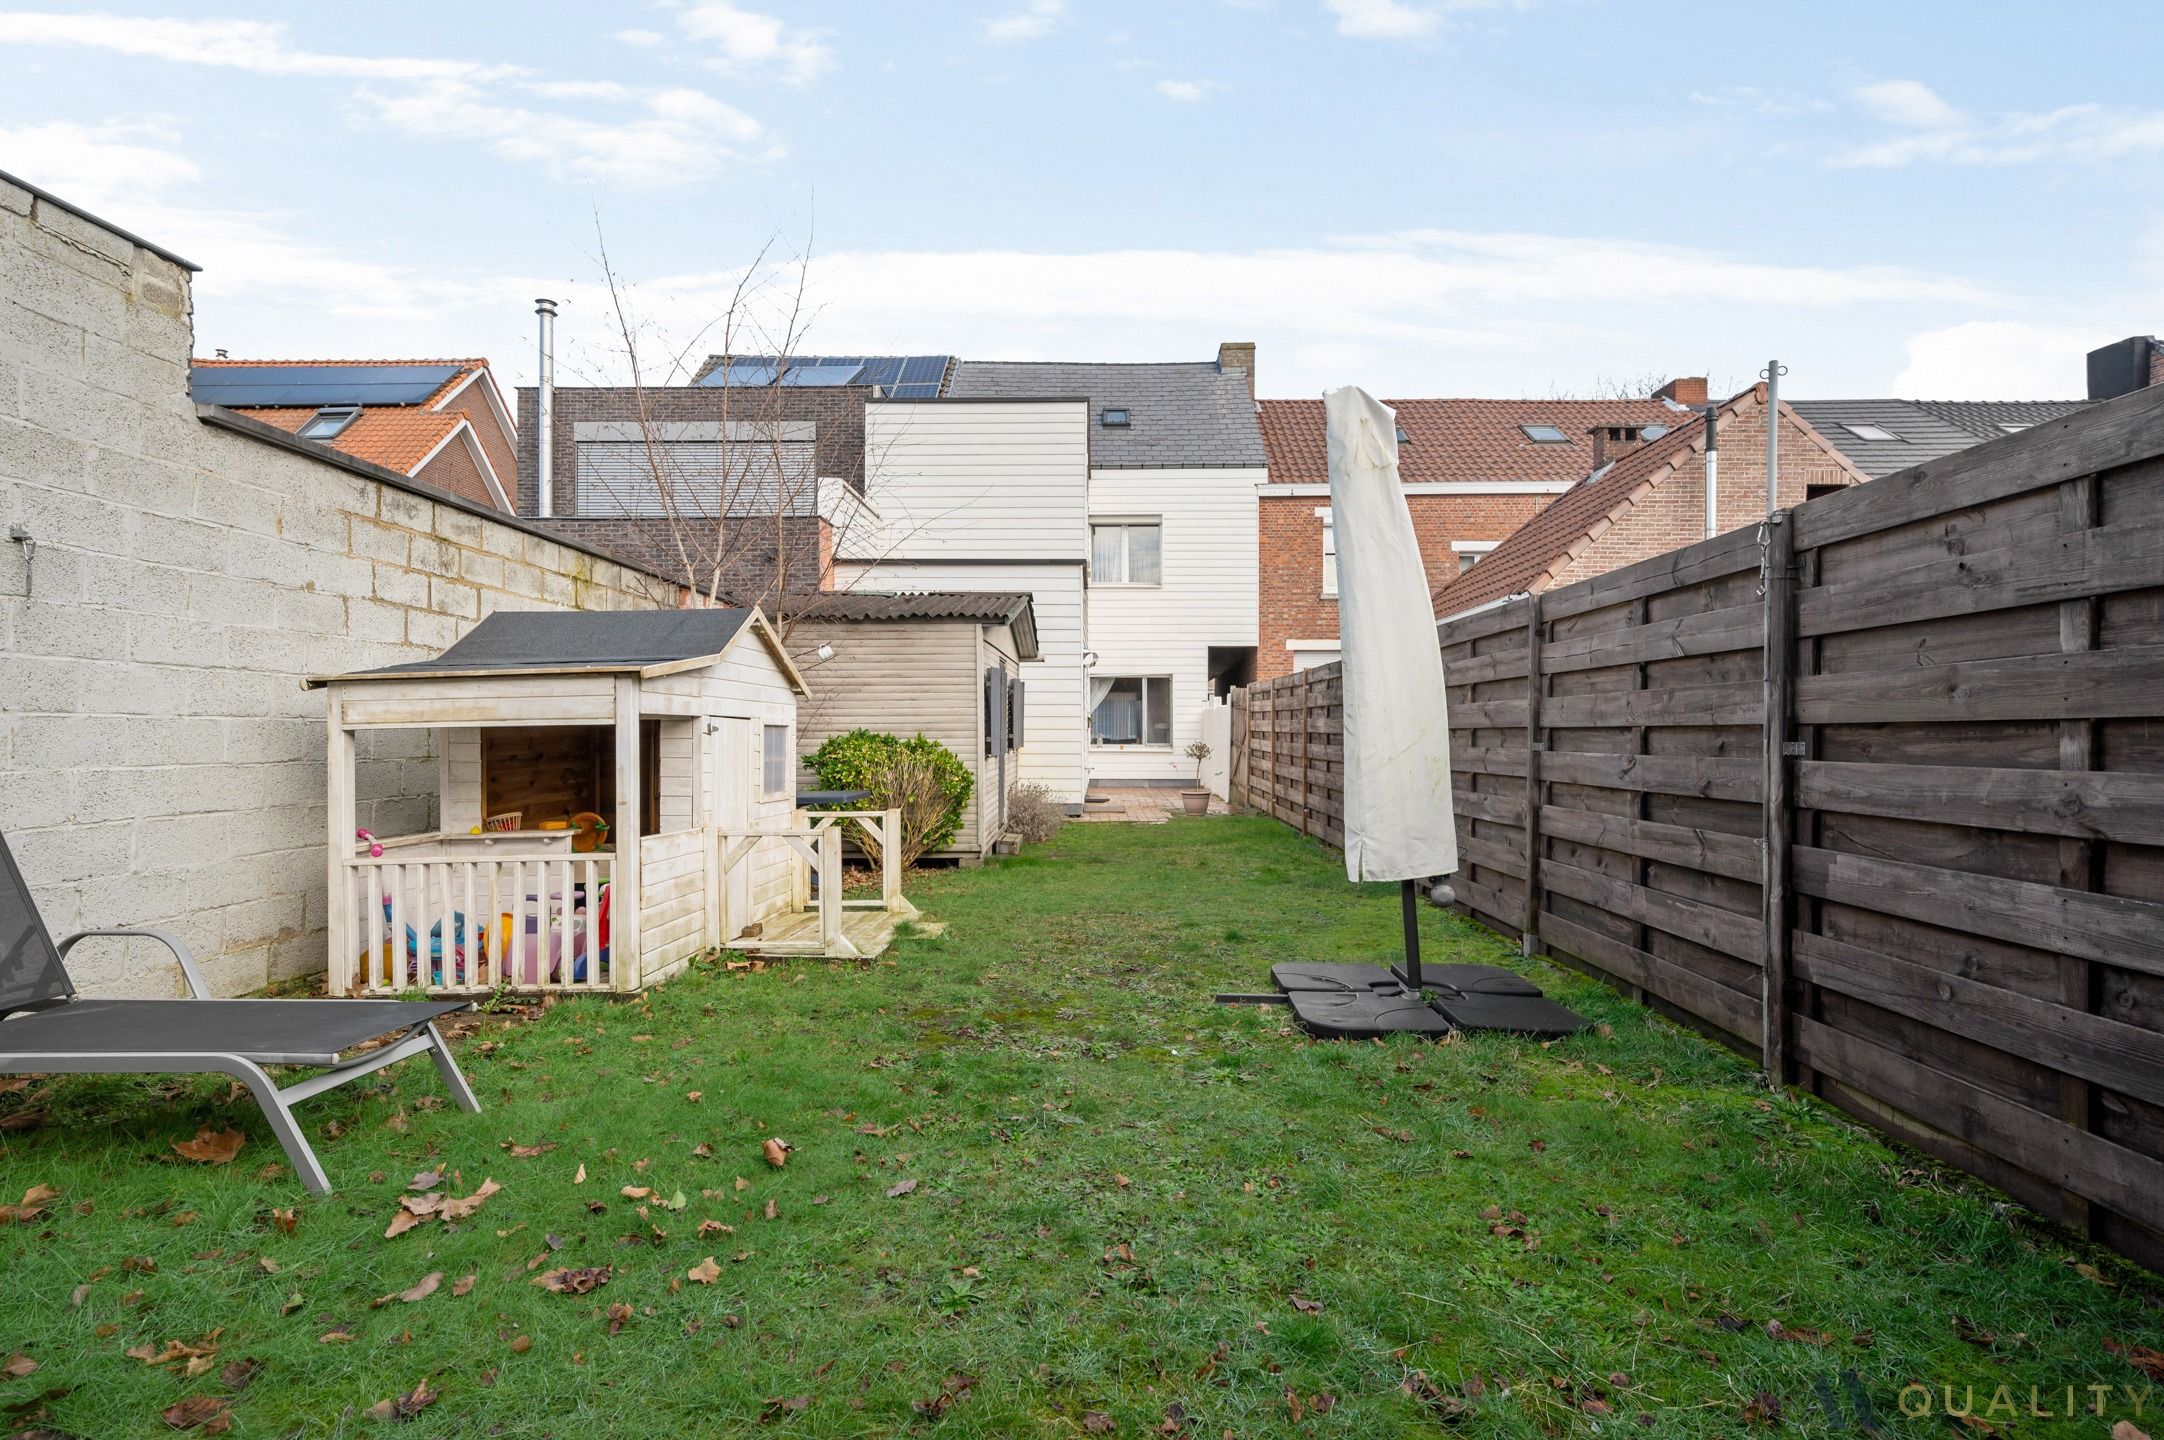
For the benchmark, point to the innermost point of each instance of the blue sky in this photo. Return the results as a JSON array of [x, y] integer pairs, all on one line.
[[1420, 196]]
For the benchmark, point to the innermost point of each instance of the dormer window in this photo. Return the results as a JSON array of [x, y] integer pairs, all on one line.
[[1116, 419], [1544, 434], [329, 421]]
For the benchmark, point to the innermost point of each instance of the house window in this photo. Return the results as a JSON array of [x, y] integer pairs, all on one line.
[[1870, 432], [1131, 710], [1116, 419], [1329, 553], [1127, 553], [775, 753], [1469, 552], [1545, 434], [329, 421]]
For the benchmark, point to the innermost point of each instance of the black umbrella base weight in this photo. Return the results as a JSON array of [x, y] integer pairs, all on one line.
[[1361, 1002]]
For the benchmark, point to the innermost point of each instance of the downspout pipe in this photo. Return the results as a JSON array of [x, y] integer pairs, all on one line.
[[1713, 470], [545, 412]]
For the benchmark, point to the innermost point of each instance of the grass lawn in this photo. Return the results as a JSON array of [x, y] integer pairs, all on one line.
[[1041, 1186]]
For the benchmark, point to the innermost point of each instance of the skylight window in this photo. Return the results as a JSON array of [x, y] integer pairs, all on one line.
[[1654, 432], [1403, 438], [1114, 419], [1870, 432], [2012, 427], [1545, 434], [329, 421]]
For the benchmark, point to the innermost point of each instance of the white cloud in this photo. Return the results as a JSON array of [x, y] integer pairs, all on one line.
[[1383, 19], [640, 37], [754, 43], [668, 137], [1186, 92], [640, 138], [254, 45], [1033, 21], [2000, 360], [1930, 129], [1908, 103], [96, 164]]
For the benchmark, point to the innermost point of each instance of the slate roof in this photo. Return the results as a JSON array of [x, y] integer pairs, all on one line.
[[1012, 608], [1461, 440], [543, 641], [1928, 428], [1181, 413]]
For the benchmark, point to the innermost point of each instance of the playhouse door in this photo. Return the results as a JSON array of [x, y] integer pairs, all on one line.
[[734, 755]]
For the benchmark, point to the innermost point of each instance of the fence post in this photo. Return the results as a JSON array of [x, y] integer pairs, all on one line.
[[1777, 810], [1306, 682], [1529, 927]]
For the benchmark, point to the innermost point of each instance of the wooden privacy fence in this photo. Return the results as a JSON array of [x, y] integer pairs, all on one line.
[[1910, 853]]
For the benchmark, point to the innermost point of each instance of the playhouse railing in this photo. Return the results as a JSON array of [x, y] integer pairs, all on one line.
[[466, 926]]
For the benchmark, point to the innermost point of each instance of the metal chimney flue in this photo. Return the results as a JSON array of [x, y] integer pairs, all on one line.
[[545, 411]]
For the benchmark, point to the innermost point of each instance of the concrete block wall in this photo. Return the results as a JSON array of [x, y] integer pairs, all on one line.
[[159, 762]]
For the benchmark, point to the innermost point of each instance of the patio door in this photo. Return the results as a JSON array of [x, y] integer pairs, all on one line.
[[735, 752]]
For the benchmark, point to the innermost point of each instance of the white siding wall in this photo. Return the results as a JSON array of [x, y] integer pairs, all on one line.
[[980, 480], [1207, 598], [1003, 488], [1054, 729]]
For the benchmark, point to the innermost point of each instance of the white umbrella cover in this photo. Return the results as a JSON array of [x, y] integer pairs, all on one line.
[[1398, 819]]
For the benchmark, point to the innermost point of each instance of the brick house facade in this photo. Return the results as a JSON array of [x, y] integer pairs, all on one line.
[[761, 553], [1653, 502], [1473, 475]]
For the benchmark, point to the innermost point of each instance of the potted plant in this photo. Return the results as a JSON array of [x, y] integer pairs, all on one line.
[[1197, 799]]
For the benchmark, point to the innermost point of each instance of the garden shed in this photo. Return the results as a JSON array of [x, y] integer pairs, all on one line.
[[943, 664], [617, 791]]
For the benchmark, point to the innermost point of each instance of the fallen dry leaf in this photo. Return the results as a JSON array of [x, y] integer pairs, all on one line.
[[198, 1412], [776, 1409], [406, 1406], [522, 1344], [619, 1317], [2127, 1430], [336, 1335], [239, 1375], [211, 1147], [2141, 1357], [706, 1272], [526, 1152], [574, 1279], [420, 1289], [463, 1285], [580, 1178], [900, 1188], [952, 1390], [1096, 1422], [18, 1365], [776, 1151], [1306, 1306]]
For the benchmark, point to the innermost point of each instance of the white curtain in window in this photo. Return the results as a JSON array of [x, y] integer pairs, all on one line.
[[1106, 563], [1116, 718]]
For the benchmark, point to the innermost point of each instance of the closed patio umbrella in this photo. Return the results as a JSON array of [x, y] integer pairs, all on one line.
[[1398, 819]]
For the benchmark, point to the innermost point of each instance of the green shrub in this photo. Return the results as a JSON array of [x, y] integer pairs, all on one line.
[[919, 776]]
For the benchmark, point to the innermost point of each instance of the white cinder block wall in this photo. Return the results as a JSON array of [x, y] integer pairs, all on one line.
[[159, 762]]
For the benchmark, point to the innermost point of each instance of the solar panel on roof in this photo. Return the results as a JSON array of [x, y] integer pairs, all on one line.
[[913, 377], [820, 374], [243, 386]]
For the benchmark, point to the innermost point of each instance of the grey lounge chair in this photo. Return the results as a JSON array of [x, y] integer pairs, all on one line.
[[45, 1028]]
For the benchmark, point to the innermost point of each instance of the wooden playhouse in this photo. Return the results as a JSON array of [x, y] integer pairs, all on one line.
[[616, 792]]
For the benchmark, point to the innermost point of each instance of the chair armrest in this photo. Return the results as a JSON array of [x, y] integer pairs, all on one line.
[[197, 990]]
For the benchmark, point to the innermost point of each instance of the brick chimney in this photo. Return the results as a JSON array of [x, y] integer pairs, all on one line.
[[1683, 390], [1613, 442], [1239, 355]]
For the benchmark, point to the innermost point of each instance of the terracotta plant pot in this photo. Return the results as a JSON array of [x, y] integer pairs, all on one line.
[[1196, 801]]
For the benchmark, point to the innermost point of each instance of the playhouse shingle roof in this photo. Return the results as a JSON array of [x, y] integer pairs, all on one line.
[[1010, 608], [542, 641], [1181, 413]]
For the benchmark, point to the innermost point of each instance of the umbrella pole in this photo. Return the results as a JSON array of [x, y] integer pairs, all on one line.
[[1409, 901]]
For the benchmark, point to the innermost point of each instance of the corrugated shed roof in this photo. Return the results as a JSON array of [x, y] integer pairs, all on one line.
[[1926, 429], [1461, 440], [1013, 609], [1179, 413]]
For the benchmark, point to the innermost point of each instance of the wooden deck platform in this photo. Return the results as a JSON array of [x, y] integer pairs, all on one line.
[[868, 933]]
